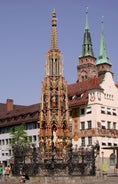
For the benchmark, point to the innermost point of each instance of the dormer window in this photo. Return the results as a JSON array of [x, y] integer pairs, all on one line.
[[70, 98], [88, 110]]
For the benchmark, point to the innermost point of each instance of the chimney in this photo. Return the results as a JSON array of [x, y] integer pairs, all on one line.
[[9, 105]]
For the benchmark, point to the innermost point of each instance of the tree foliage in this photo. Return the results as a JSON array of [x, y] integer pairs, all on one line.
[[19, 136]]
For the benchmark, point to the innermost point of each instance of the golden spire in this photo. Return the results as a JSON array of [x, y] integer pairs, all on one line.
[[54, 44]]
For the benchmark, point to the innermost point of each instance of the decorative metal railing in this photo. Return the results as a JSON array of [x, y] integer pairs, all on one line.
[[74, 162]]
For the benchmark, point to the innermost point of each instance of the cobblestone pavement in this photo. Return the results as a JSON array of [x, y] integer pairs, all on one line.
[[63, 180]]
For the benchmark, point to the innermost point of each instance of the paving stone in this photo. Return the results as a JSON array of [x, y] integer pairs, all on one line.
[[64, 180]]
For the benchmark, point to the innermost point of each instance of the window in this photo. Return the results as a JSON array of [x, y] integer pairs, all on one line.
[[3, 142], [79, 96], [10, 152], [114, 125], [34, 138], [33, 125], [89, 141], [103, 124], [102, 110], [88, 110], [115, 142], [112, 159], [103, 141], [83, 141], [4, 130], [82, 111], [6, 141], [109, 142], [70, 98], [108, 125], [109, 111], [89, 124], [82, 125], [82, 77], [114, 112]]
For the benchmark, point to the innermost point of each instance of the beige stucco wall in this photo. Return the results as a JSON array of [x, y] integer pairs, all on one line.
[[107, 96]]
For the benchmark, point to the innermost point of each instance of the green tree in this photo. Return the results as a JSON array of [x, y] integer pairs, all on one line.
[[20, 146], [19, 136]]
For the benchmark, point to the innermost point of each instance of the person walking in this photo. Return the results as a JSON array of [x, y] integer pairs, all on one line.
[[7, 172], [1, 172]]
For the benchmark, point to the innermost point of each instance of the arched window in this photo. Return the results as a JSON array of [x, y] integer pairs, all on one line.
[[112, 159]]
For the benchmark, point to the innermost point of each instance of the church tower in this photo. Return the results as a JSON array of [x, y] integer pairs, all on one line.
[[54, 116], [87, 62], [103, 63]]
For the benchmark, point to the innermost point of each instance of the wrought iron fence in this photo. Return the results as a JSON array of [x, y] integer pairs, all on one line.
[[25, 160], [76, 162]]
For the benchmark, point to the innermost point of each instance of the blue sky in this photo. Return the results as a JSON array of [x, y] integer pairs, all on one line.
[[25, 38]]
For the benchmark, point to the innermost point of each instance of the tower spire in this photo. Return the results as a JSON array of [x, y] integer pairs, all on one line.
[[103, 56], [54, 113], [87, 49], [87, 24], [87, 62], [54, 63], [54, 42]]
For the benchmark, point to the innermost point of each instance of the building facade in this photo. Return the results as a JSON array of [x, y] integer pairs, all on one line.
[[91, 102], [13, 115]]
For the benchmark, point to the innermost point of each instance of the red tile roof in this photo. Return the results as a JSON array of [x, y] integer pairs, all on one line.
[[3, 108], [21, 110], [77, 94], [20, 114], [81, 87]]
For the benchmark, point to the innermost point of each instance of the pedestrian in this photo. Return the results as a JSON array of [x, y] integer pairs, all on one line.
[[1, 172], [24, 177], [7, 172]]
